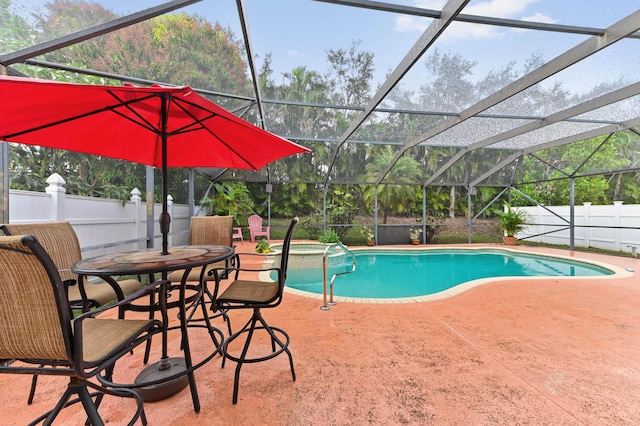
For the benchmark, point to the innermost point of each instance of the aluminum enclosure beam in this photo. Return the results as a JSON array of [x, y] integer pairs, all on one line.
[[590, 105], [80, 36], [254, 75], [428, 37], [473, 19], [614, 33], [612, 128], [252, 100], [627, 125]]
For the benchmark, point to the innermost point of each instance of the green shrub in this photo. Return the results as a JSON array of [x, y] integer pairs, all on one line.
[[341, 209], [329, 237]]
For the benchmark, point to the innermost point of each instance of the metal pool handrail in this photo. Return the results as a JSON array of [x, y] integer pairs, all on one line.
[[325, 307]]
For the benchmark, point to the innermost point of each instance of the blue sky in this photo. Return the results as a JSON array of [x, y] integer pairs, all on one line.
[[298, 32]]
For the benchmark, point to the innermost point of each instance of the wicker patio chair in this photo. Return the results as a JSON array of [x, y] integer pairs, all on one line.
[[256, 295], [61, 243], [42, 330], [207, 230]]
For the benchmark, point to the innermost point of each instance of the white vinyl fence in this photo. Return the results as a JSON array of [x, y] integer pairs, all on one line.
[[103, 225], [612, 227]]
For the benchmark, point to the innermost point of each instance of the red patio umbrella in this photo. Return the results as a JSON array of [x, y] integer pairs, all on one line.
[[157, 126]]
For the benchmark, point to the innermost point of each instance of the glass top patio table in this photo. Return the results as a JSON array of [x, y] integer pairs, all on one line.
[[169, 375], [152, 261]]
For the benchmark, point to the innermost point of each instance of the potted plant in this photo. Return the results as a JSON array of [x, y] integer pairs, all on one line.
[[511, 222], [414, 234], [367, 233]]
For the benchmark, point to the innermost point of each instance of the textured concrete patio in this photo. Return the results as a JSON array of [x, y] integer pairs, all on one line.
[[516, 352]]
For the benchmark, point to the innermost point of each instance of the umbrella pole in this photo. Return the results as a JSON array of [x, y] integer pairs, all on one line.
[[165, 218]]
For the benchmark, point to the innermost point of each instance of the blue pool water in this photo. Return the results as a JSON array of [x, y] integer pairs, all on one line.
[[394, 274]]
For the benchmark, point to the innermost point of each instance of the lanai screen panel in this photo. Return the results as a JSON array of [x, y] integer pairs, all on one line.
[[311, 167], [619, 152], [162, 49], [608, 69], [295, 121], [361, 162], [471, 61], [547, 134], [471, 166], [615, 112], [474, 130], [432, 157], [78, 19], [576, 84], [540, 168], [395, 128], [502, 177]]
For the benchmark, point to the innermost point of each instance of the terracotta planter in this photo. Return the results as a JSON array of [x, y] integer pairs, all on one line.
[[415, 242], [510, 241], [370, 242]]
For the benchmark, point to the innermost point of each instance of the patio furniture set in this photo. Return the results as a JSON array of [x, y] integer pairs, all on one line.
[[45, 284]]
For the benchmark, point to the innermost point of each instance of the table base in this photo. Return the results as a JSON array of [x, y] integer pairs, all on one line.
[[166, 388]]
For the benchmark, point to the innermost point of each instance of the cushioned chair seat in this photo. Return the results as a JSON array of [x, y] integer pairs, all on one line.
[[248, 291], [102, 293], [100, 336]]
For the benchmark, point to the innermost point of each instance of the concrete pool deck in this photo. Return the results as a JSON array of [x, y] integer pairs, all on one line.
[[522, 351]]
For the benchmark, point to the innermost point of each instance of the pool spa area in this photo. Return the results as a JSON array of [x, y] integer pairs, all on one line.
[[431, 273]]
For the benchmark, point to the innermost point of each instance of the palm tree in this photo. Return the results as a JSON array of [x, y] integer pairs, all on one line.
[[396, 198]]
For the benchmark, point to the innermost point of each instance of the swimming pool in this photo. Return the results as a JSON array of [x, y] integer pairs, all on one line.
[[410, 273]]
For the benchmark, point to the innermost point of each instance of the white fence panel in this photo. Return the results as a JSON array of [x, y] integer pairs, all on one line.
[[102, 225], [611, 227], [32, 206]]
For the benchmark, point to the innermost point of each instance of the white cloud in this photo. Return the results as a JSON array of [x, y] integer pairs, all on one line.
[[507, 9], [296, 54], [411, 23], [457, 30], [539, 17], [499, 8], [430, 4]]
